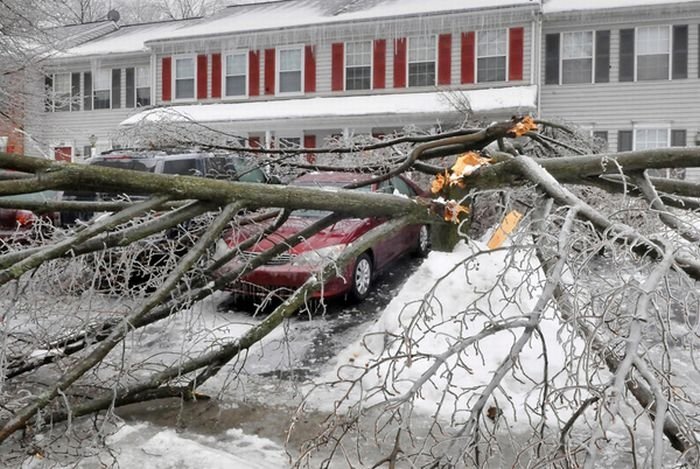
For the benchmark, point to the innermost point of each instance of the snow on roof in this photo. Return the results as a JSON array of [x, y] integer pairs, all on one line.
[[283, 14], [555, 6], [128, 38], [512, 99]]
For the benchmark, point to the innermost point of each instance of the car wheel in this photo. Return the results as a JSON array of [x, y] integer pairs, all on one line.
[[423, 243], [362, 274]]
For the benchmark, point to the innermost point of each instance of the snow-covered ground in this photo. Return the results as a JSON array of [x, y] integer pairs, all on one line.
[[471, 289]]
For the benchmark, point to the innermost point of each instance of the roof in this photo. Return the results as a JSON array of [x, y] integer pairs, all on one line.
[[556, 6], [291, 13], [508, 99], [128, 38]]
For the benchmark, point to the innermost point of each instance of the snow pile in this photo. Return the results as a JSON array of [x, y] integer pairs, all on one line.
[[148, 446], [489, 287]]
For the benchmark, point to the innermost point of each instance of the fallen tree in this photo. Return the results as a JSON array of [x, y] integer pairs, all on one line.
[[639, 223]]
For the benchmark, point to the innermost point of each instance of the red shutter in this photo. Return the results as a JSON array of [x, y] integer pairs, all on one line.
[[254, 142], [515, 54], [444, 59], [309, 70], [202, 77], [269, 71], [254, 74], [310, 142], [337, 65], [216, 75], [467, 57], [166, 78], [379, 66], [400, 63]]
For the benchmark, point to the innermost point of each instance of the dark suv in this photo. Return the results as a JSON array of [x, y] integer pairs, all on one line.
[[192, 163]]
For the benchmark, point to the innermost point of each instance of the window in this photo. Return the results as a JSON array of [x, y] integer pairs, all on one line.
[[577, 57], [236, 74], [143, 86], [358, 65], [75, 91], [184, 78], [87, 91], [102, 90], [290, 71], [289, 142], [653, 52], [116, 88], [648, 139], [421, 61], [491, 55], [61, 92]]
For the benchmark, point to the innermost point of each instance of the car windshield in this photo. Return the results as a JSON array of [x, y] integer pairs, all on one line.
[[230, 167], [324, 185]]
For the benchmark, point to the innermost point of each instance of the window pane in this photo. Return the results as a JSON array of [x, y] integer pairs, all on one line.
[[421, 49], [358, 78], [648, 139], [421, 74], [236, 64], [75, 91], [652, 67], [653, 40], [143, 96], [102, 79], [235, 86], [358, 54], [183, 167], [290, 60], [577, 70], [61, 92], [116, 88], [184, 89], [577, 45], [492, 42], [184, 68], [143, 77], [290, 142], [290, 82], [102, 99], [129, 87], [491, 69]]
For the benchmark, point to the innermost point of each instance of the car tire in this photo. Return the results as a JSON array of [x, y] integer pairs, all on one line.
[[362, 276], [423, 243]]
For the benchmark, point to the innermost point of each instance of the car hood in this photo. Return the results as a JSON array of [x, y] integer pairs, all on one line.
[[342, 232]]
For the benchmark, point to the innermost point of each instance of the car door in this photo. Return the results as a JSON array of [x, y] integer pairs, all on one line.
[[407, 239], [391, 247]]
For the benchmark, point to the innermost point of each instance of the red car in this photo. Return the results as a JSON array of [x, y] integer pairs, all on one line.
[[290, 270]]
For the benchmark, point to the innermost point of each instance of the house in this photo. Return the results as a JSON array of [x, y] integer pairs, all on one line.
[[627, 71], [296, 71]]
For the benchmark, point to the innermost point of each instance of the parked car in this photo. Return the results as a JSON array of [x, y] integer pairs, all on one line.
[[288, 271], [150, 259], [19, 225], [186, 163]]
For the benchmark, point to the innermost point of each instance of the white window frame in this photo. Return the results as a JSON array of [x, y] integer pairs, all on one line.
[[94, 87], [246, 55], [408, 60], [173, 78], [637, 54], [561, 56], [658, 126], [278, 69], [137, 87], [371, 64], [477, 56]]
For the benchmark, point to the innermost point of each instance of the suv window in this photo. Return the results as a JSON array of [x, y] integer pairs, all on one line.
[[230, 166], [184, 167], [127, 163]]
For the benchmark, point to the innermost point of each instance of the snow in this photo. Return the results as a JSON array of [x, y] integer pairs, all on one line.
[[127, 39], [293, 13], [479, 284], [510, 99], [555, 6]]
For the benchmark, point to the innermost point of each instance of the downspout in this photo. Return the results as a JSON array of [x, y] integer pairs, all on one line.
[[538, 52]]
